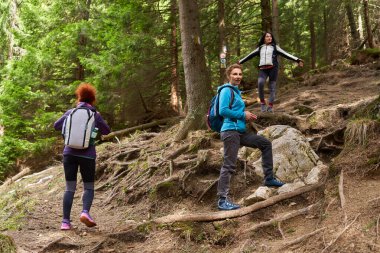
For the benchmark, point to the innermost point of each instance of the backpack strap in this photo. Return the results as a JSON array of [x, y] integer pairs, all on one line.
[[231, 100]]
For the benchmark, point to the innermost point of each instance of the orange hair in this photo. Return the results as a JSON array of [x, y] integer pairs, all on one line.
[[86, 93]]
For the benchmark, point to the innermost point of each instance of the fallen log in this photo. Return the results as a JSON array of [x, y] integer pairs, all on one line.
[[139, 127], [214, 216]]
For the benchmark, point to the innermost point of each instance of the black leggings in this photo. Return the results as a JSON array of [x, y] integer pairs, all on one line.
[[87, 170]]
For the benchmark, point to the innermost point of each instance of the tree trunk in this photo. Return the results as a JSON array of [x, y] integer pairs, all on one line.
[[368, 24], [82, 42], [313, 47], [175, 99], [266, 20], [197, 79], [352, 24], [222, 41], [276, 21], [325, 35]]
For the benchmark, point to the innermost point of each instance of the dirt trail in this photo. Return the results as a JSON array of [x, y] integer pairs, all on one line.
[[41, 233]]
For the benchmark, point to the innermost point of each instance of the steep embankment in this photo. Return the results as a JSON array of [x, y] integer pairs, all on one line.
[[146, 177]]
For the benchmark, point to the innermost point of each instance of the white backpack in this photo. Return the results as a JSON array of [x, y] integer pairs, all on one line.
[[77, 128]]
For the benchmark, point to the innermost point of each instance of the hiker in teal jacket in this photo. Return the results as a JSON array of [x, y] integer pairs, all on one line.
[[234, 135]]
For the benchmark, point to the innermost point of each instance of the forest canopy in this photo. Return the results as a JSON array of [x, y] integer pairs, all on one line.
[[131, 52]]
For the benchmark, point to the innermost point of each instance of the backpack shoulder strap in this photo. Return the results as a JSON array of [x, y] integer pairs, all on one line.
[[232, 96]]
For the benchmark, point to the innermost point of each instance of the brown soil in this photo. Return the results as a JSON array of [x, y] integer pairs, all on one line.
[[119, 207]]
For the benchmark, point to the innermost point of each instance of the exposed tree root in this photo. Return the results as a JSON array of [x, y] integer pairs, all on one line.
[[178, 152], [302, 238], [281, 218], [58, 244], [339, 235], [207, 189], [239, 212]]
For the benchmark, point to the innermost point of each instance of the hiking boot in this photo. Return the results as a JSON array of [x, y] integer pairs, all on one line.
[[273, 182], [65, 225], [263, 107], [225, 205], [270, 109], [86, 219]]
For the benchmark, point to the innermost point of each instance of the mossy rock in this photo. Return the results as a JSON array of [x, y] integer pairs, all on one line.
[[7, 244]]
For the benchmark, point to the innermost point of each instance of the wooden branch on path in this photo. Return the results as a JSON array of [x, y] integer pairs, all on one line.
[[214, 216], [140, 127]]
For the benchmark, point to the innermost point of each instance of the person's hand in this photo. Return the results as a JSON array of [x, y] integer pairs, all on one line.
[[249, 116], [300, 63]]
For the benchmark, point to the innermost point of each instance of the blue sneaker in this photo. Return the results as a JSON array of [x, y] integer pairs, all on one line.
[[263, 107], [273, 182], [270, 109], [225, 205]]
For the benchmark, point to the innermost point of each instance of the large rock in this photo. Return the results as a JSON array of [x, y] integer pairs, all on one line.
[[293, 158]]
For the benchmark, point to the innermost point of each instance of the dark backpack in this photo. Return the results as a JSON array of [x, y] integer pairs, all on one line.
[[213, 119]]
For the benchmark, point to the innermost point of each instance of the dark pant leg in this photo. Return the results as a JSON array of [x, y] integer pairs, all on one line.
[[70, 166], [273, 73], [231, 144], [261, 82], [87, 170], [256, 141]]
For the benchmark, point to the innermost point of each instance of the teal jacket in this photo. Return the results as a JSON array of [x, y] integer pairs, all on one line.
[[234, 118]]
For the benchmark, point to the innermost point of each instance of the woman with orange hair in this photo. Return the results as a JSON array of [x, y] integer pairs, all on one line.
[[84, 159]]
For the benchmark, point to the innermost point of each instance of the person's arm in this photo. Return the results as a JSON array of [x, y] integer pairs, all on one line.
[[59, 123], [250, 55], [224, 106], [104, 129], [289, 56]]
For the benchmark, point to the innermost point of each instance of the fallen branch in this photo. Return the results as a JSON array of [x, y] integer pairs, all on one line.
[[280, 218], [214, 216], [339, 235], [19, 175], [341, 196], [140, 127], [302, 238]]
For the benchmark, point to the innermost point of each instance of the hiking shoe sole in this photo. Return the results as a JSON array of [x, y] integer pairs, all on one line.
[[87, 221]]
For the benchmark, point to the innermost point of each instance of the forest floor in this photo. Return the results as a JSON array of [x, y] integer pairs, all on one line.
[[135, 198]]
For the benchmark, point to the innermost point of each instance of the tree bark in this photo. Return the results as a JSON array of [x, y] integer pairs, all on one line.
[[175, 99], [313, 46], [352, 24], [368, 24], [276, 21], [197, 79], [266, 20], [222, 40], [82, 42]]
